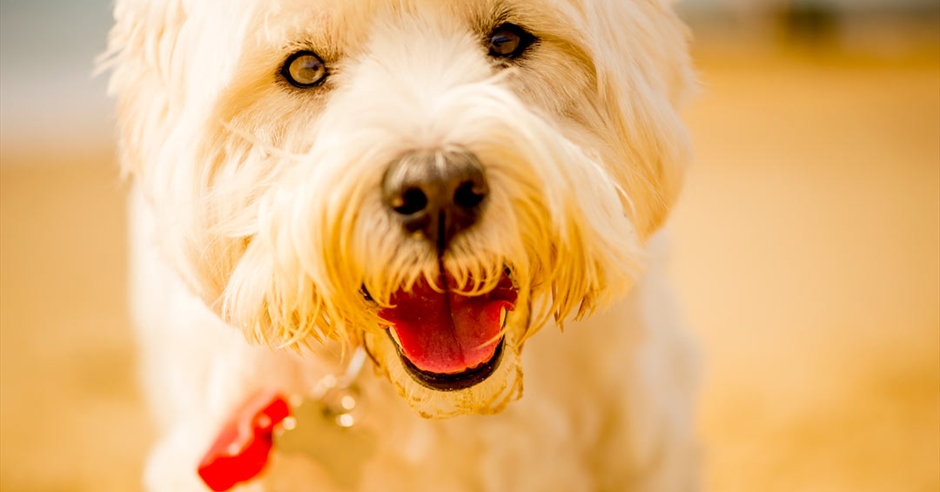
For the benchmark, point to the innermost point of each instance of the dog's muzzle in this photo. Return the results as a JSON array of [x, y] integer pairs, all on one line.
[[446, 340]]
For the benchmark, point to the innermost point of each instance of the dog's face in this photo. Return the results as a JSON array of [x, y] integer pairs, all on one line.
[[435, 180]]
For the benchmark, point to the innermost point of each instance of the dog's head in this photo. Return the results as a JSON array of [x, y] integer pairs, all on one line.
[[434, 180]]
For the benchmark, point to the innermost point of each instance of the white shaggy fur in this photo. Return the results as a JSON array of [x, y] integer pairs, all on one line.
[[257, 211]]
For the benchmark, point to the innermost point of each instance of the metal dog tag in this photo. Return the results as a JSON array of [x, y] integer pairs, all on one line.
[[325, 431], [324, 427]]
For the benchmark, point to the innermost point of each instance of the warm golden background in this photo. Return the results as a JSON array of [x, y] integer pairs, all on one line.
[[807, 250]]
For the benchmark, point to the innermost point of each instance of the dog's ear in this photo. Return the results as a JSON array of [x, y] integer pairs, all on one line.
[[165, 58], [643, 74], [142, 48]]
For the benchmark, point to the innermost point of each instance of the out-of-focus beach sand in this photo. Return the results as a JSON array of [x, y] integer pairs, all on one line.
[[807, 254]]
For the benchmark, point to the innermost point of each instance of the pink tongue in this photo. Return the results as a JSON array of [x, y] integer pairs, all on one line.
[[446, 333]]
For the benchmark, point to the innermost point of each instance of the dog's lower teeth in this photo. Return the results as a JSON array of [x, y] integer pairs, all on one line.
[[503, 316]]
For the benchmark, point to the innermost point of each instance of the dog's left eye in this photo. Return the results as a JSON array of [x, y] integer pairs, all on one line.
[[304, 69], [509, 41]]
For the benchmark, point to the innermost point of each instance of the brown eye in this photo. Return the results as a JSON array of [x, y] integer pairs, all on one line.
[[509, 41], [304, 69]]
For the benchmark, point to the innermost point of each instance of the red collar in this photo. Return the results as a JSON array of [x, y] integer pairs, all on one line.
[[241, 450], [243, 446]]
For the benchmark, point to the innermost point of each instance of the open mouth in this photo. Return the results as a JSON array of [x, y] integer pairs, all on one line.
[[448, 341]]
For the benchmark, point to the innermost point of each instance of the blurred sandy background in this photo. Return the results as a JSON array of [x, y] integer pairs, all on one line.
[[807, 250]]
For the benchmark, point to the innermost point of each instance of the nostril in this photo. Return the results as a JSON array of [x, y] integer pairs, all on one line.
[[469, 195], [436, 194], [412, 201]]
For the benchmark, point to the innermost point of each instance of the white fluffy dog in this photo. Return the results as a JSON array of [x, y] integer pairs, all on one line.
[[427, 182]]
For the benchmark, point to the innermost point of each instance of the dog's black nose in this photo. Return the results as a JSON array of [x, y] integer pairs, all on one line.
[[436, 193]]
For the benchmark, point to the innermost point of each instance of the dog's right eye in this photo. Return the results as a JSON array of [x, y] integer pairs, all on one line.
[[304, 69], [509, 41]]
